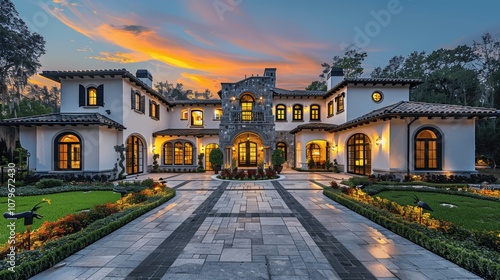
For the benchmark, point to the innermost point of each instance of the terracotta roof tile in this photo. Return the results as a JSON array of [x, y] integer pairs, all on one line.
[[196, 102], [187, 132], [57, 76], [64, 119], [313, 126], [420, 109], [285, 92]]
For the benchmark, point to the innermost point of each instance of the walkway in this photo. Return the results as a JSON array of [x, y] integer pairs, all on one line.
[[261, 230]]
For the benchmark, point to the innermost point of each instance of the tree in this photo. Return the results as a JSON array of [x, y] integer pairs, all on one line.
[[351, 64], [20, 51], [317, 85], [488, 53]]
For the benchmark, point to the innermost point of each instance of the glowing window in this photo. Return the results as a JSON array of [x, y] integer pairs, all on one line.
[[280, 112], [92, 96], [197, 118]]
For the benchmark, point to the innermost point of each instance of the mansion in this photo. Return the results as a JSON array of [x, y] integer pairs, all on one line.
[[113, 122]]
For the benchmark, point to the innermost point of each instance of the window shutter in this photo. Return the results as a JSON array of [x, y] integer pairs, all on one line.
[[157, 111], [81, 96], [150, 111], [143, 104], [132, 99], [100, 95]]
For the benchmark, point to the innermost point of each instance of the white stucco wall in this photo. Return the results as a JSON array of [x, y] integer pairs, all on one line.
[[290, 124], [359, 98], [303, 138]]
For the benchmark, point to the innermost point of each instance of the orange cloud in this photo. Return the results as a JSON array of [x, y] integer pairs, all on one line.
[[221, 51]]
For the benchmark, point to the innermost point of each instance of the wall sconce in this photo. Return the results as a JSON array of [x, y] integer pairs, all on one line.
[[108, 111], [261, 148], [378, 141], [233, 98], [334, 148], [153, 148], [234, 149], [202, 148]]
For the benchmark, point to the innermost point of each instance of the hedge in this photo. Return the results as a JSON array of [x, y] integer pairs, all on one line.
[[475, 260], [29, 263]]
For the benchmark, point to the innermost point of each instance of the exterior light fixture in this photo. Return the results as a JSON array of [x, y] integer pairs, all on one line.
[[334, 148], [233, 98], [234, 149], [378, 141]]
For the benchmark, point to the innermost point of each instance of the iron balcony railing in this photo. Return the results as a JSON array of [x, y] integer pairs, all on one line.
[[247, 116]]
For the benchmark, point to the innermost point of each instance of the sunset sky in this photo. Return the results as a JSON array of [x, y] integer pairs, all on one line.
[[202, 43]]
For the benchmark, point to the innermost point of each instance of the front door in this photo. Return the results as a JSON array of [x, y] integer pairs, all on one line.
[[247, 154]]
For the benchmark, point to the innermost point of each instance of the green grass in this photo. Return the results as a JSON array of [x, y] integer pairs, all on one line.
[[61, 204], [471, 213]]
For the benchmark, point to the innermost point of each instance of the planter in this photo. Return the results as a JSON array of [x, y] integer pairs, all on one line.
[[217, 168], [278, 168]]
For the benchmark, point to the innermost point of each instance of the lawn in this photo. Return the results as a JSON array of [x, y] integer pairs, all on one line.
[[471, 213], [61, 204]]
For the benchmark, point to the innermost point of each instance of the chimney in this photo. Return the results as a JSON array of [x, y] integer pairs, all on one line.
[[145, 77], [335, 76]]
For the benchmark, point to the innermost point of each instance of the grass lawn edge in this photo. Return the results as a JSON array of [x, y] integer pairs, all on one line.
[[466, 258], [36, 261]]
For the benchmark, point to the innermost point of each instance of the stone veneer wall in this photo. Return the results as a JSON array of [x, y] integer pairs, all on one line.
[[289, 139]]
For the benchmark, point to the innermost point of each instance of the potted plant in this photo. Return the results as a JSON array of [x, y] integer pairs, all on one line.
[[234, 164], [335, 166], [277, 159], [200, 163], [216, 159], [310, 163]]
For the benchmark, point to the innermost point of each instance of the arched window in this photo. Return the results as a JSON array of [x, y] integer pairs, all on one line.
[[178, 153], [315, 113], [168, 155], [313, 151], [92, 96], [246, 103], [297, 112], [208, 149], [282, 146], [134, 158], [184, 114], [188, 153], [68, 154], [197, 118], [280, 112], [359, 155], [428, 146]]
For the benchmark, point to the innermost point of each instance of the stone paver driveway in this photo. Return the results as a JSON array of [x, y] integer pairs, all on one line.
[[253, 230]]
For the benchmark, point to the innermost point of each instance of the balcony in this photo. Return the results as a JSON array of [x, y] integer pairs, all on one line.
[[238, 116]]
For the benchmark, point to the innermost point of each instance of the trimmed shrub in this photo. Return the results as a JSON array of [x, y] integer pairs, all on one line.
[[49, 183]]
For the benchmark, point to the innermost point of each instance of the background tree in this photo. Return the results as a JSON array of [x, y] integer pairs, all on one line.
[[351, 63], [20, 51]]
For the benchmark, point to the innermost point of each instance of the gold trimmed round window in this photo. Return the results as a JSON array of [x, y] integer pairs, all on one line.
[[377, 96]]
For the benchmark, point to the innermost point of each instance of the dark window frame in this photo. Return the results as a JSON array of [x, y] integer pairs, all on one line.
[[280, 108], [340, 103], [359, 144], [315, 116], [69, 149], [438, 142], [298, 112]]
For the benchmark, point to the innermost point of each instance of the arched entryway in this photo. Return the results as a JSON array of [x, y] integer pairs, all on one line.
[[134, 155], [208, 149], [317, 154], [248, 150], [359, 156], [428, 142]]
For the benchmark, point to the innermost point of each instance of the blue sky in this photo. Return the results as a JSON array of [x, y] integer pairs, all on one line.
[[202, 43]]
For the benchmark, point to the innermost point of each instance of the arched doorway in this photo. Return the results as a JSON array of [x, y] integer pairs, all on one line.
[[319, 152], [134, 155], [359, 156], [428, 149], [68, 155], [248, 150], [208, 149]]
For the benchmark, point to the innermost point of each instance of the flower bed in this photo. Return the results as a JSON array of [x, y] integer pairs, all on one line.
[[478, 252], [248, 174], [54, 241]]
